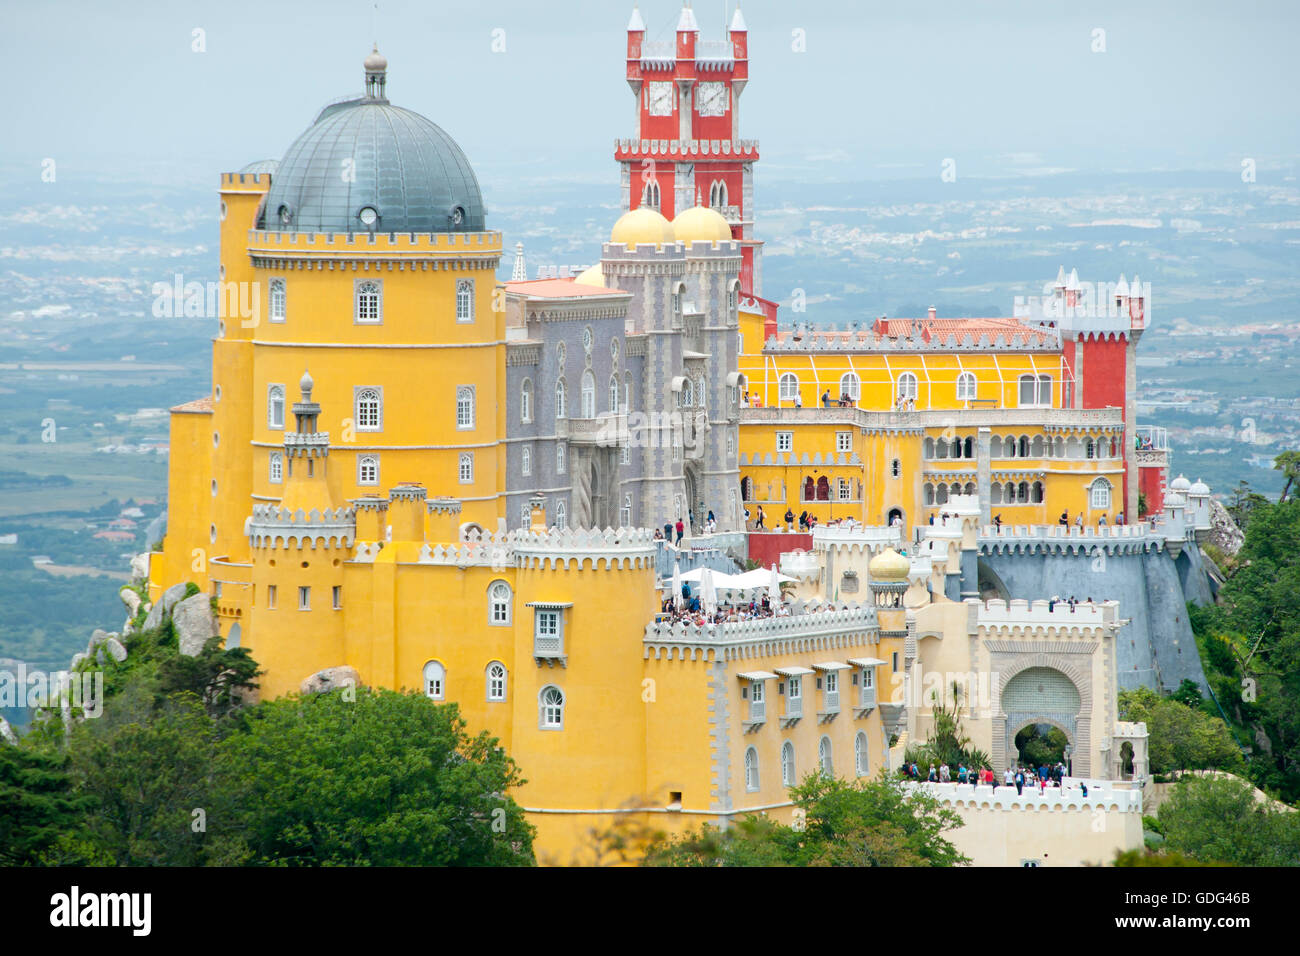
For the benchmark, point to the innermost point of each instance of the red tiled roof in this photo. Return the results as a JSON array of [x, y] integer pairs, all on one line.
[[198, 406], [558, 289]]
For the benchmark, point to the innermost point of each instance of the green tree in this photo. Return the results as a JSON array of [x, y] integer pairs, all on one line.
[[37, 804], [1289, 464], [1218, 820], [1180, 738], [372, 777]]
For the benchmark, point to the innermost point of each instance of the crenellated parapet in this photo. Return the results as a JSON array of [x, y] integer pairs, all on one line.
[[577, 548], [861, 539], [1071, 540], [271, 526], [805, 629], [1020, 619]]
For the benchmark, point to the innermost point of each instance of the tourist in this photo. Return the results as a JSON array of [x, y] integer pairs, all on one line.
[[1078, 522], [803, 521], [1008, 778], [997, 522], [945, 775], [1020, 782], [932, 518], [744, 402], [681, 531], [934, 776], [1101, 522], [826, 398], [659, 535], [1064, 519], [758, 525], [798, 400], [789, 519], [961, 773], [1084, 787], [668, 532]]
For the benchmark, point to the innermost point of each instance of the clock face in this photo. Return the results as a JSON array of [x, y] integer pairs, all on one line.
[[661, 99], [712, 99]]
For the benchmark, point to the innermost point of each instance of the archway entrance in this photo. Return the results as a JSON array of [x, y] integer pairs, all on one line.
[[1041, 744], [1042, 707], [694, 499]]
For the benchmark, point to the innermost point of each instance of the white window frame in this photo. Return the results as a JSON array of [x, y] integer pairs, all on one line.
[[275, 468], [1099, 495], [1045, 391], [434, 675], [550, 708], [861, 755], [304, 598], [785, 441], [465, 413], [465, 468], [495, 679], [561, 514], [844, 441], [561, 465], [526, 401], [907, 387], [751, 771], [464, 300], [368, 311], [967, 387], [854, 391], [273, 391], [363, 393], [787, 387], [826, 757], [613, 393], [270, 597], [336, 597], [500, 603], [526, 460], [276, 299], [365, 462], [788, 777], [561, 398]]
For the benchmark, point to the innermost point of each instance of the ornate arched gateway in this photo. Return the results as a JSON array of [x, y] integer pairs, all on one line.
[[1042, 687]]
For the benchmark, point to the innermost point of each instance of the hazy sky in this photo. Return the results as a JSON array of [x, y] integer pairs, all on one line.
[[882, 90]]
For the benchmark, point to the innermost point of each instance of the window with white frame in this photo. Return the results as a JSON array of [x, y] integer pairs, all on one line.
[[435, 681], [548, 636], [967, 387], [550, 705], [686, 397], [276, 297], [626, 456], [368, 470], [275, 406], [496, 681], [465, 407], [276, 468], [757, 705], [751, 770], [851, 386], [860, 760], [1028, 391], [526, 401], [784, 441], [824, 758], [613, 393], [466, 469], [588, 394], [525, 515], [561, 399], [525, 460], [788, 387], [896, 468], [1099, 494], [907, 387], [465, 300], [336, 593], [370, 301], [845, 489], [625, 513], [701, 396], [561, 515], [787, 764], [844, 441], [270, 597], [499, 598], [733, 297], [1045, 391], [794, 696], [559, 459], [369, 403], [304, 599]]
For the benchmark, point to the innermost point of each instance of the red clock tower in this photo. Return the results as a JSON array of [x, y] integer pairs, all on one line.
[[687, 150]]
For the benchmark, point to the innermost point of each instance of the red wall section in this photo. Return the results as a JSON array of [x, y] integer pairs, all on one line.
[[1151, 483], [1104, 372], [766, 548]]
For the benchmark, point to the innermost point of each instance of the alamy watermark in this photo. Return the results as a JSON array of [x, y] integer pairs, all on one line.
[[83, 690]]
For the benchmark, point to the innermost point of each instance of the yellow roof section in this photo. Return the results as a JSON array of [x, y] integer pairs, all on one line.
[[593, 276], [642, 227], [701, 224], [889, 565]]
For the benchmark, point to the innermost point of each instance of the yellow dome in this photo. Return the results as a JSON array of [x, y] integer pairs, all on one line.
[[889, 565], [701, 224], [642, 227], [593, 276]]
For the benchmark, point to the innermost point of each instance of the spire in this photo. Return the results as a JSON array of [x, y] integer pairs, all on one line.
[[636, 24], [376, 66], [686, 22], [738, 22], [520, 272]]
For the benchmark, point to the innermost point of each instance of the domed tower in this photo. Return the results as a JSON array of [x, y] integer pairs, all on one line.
[[297, 550], [372, 265]]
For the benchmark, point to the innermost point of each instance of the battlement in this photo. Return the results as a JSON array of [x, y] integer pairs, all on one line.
[[1002, 615], [271, 526], [402, 244], [808, 626], [245, 182], [1030, 340], [1102, 795], [1049, 419], [685, 150], [1070, 539], [858, 537]]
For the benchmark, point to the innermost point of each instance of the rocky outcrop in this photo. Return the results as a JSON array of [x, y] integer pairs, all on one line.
[[140, 568], [115, 649], [131, 599], [194, 623], [158, 613], [7, 732], [331, 678], [1224, 533]]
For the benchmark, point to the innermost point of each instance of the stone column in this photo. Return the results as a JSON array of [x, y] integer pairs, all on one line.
[[983, 472]]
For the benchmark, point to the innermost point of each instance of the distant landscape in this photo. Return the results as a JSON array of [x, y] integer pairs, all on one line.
[[87, 372]]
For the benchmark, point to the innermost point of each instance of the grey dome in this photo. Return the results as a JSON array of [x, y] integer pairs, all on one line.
[[405, 175]]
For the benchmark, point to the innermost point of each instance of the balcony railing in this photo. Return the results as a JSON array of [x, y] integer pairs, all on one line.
[[757, 710], [938, 417], [793, 707]]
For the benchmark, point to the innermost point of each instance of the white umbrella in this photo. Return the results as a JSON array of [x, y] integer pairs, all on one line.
[[708, 593], [677, 585], [774, 587]]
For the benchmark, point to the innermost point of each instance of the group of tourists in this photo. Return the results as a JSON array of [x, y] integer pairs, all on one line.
[[1064, 520], [1042, 777]]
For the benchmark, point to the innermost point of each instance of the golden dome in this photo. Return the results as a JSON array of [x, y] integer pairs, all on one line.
[[593, 276], [701, 224], [642, 227], [889, 565]]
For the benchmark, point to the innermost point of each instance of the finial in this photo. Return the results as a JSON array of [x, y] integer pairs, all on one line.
[[376, 66], [306, 384]]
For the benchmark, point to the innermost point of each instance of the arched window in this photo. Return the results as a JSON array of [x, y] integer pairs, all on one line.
[[1045, 390], [995, 493], [369, 409], [929, 493], [1035, 391], [907, 387], [499, 604], [851, 386], [465, 301], [561, 515], [788, 387], [275, 406], [466, 468], [496, 681], [1009, 446], [650, 195], [751, 770], [1022, 492], [787, 764], [526, 401], [276, 468], [561, 399], [824, 757], [1037, 493], [613, 394], [701, 396], [1022, 449], [970, 488], [718, 194], [809, 489], [369, 302], [823, 489], [746, 489], [861, 763], [368, 470], [966, 386], [277, 299], [550, 708], [465, 407], [686, 397], [588, 394], [560, 464], [526, 460], [733, 303], [435, 681], [941, 448], [1099, 494]]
